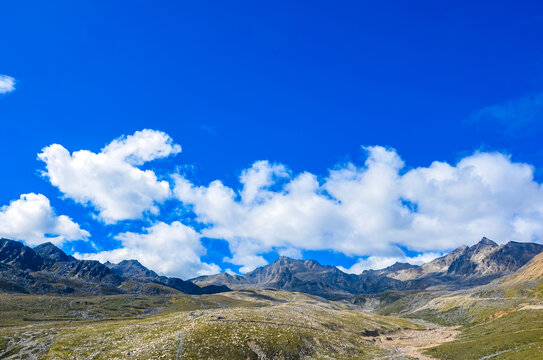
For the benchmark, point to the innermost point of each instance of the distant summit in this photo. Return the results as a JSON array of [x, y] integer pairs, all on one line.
[[51, 252], [486, 241], [131, 269]]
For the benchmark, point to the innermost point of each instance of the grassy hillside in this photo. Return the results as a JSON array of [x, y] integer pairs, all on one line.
[[513, 334], [237, 325], [503, 320], [495, 322]]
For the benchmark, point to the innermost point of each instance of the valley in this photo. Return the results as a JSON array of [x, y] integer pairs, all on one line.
[[57, 307], [274, 324], [237, 325]]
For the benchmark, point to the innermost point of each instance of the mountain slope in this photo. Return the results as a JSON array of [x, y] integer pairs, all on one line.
[[467, 266]]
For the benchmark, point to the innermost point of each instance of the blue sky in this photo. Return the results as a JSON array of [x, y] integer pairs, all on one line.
[[303, 87]]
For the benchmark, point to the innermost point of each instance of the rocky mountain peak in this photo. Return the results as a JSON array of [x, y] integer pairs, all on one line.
[[19, 256], [285, 260], [51, 252], [132, 268], [487, 258], [486, 242], [397, 266], [442, 264]]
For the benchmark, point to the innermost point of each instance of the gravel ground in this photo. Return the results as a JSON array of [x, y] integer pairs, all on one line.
[[409, 344]]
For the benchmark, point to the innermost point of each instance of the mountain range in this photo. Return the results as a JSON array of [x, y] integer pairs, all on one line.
[[46, 269], [461, 268]]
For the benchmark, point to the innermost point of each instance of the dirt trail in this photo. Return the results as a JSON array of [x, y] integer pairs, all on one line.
[[405, 344]]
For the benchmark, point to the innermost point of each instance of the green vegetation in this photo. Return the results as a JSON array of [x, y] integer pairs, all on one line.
[[503, 320], [514, 335], [237, 325], [495, 322]]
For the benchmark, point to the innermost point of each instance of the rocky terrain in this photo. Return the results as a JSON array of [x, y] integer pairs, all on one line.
[[235, 325]]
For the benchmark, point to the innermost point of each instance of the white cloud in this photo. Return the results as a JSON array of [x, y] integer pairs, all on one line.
[[32, 219], [374, 209], [381, 262], [7, 84], [110, 180], [485, 193], [258, 178], [170, 249]]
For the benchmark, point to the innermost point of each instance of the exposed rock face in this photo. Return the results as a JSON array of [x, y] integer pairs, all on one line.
[[512, 256], [51, 252], [48, 270], [443, 263], [85, 270], [462, 267], [532, 272], [304, 276], [474, 260], [467, 266], [488, 259], [131, 268], [19, 256]]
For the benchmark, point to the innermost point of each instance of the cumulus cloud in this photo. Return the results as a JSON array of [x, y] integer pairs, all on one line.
[[32, 219], [111, 180], [7, 84], [170, 249], [374, 209], [381, 262]]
